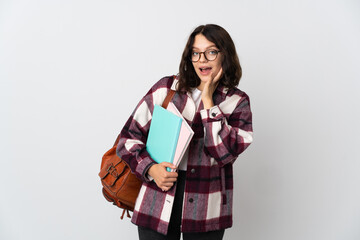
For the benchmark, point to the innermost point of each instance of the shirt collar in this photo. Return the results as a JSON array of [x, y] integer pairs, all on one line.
[[173, 86]]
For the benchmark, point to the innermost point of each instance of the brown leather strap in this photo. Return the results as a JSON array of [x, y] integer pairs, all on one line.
[[169, 96], [123, 213]]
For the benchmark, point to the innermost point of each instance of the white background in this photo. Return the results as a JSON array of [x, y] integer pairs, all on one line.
[[72, 72]]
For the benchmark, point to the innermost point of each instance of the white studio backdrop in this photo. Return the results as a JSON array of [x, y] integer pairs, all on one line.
[[71, 73]]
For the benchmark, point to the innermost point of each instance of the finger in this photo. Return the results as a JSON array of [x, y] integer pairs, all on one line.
[[167, 185], [162, 180], [171, 175], [167, 164], [218, 75], [169, 180]]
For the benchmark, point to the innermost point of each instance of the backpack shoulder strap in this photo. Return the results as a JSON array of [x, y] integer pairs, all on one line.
[[169, 96]]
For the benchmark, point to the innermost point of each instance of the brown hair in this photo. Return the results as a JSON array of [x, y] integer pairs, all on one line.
[[231, 66]]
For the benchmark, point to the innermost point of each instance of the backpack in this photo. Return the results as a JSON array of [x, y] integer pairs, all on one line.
[[120, 185]]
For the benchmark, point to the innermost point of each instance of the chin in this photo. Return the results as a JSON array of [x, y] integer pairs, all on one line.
[[204, 78]]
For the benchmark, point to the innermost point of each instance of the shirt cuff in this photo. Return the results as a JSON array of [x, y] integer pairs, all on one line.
[[150, 178], [143, 168], [146, 176]]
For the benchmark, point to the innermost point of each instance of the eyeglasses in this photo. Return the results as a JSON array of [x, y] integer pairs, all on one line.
[[210, 55]]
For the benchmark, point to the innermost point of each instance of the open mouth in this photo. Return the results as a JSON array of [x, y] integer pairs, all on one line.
[[205, 69]]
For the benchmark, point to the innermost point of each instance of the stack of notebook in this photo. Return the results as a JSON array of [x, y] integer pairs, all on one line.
[[169, 135]]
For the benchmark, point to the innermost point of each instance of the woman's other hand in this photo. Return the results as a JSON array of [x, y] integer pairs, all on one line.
[[209, 89], [163, 179]]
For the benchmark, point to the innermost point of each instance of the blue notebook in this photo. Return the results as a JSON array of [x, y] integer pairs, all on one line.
[[163, 135]]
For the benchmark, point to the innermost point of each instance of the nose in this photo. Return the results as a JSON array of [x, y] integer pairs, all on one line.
[[202, 57]]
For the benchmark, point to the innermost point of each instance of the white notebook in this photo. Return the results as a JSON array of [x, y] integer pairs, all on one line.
[[185, 136]]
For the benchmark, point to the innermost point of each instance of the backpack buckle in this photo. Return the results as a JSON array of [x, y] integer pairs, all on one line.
[[112, 170]]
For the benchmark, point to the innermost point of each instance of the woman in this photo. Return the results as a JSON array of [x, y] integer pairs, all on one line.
[[197, 199]]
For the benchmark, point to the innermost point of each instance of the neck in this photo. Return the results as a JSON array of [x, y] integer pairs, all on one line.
[[201, 86]]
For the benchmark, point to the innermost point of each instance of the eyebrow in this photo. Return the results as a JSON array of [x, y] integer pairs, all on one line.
[[207, 47]]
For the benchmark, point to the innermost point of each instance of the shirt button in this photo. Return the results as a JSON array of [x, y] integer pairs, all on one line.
[[213, 114], [191, 200], [193, 170]]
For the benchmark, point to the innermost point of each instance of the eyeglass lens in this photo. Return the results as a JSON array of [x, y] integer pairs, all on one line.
[[210, 55]]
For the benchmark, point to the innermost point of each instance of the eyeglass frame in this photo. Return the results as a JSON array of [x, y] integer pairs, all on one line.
[[217, 53]]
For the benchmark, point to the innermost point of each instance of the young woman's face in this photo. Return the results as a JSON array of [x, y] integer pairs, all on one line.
[[204, 68]]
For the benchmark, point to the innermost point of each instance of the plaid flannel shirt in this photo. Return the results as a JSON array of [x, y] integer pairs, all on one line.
[[221, 134]]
